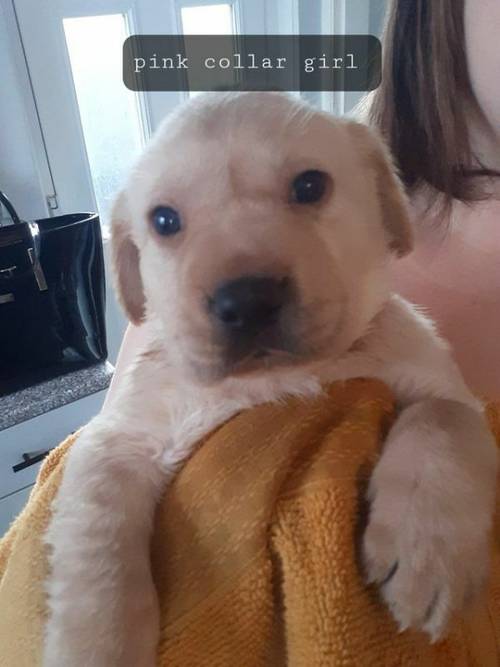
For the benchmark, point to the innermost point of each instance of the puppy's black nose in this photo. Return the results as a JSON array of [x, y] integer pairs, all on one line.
[[250, 303]]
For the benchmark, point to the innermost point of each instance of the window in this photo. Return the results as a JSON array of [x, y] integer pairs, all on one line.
[[110, 117], [209, 20]]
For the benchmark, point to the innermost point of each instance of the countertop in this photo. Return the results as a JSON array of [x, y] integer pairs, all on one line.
[[41, 398]]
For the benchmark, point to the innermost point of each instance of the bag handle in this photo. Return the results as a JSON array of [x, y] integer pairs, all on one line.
[[10, 273], [10, 208]]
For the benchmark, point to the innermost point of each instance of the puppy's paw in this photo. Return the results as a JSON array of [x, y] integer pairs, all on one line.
[[423, 576], [432, 499]]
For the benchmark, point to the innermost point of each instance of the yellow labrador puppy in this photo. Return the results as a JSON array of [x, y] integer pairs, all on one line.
[[253, 240]]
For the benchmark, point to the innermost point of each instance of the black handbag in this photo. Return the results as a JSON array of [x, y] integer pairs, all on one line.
[[52, 297]]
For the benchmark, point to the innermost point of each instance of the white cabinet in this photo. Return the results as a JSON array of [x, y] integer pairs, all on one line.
[[33, 438], [11, 506]]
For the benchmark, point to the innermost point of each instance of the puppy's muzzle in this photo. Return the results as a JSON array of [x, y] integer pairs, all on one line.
[[247, 306]]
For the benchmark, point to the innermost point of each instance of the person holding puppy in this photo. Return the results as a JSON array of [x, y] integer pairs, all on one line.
[[439, 110]]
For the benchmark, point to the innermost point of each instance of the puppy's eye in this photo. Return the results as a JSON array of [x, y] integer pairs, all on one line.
[[309, 186], [166, 220]]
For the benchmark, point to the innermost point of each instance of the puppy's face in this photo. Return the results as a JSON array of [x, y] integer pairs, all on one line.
[[258, 232]]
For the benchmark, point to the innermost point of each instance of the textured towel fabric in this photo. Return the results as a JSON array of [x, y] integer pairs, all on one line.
[[253, 551]]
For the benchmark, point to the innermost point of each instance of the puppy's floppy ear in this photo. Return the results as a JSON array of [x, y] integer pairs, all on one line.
[[392, 197], [125, 255]]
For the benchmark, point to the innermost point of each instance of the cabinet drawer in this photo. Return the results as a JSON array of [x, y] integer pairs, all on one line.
[[11, 506], [36, 436]]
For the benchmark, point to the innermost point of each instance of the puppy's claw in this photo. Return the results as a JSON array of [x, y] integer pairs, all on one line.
[[432, 607], [441, 612], [378, 554], [389, 575]]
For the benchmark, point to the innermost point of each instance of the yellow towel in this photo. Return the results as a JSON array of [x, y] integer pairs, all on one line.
[[253, 551]]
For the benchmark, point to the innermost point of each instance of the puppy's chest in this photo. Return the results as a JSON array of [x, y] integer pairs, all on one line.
[[189, 420], [192, 415]]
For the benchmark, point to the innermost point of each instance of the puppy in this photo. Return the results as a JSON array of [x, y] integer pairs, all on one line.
[[253, 240]]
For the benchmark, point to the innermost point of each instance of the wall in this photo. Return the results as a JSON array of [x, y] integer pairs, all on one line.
[[19, 177]]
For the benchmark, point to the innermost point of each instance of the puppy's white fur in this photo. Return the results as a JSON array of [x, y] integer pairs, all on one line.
[[225, 162]]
